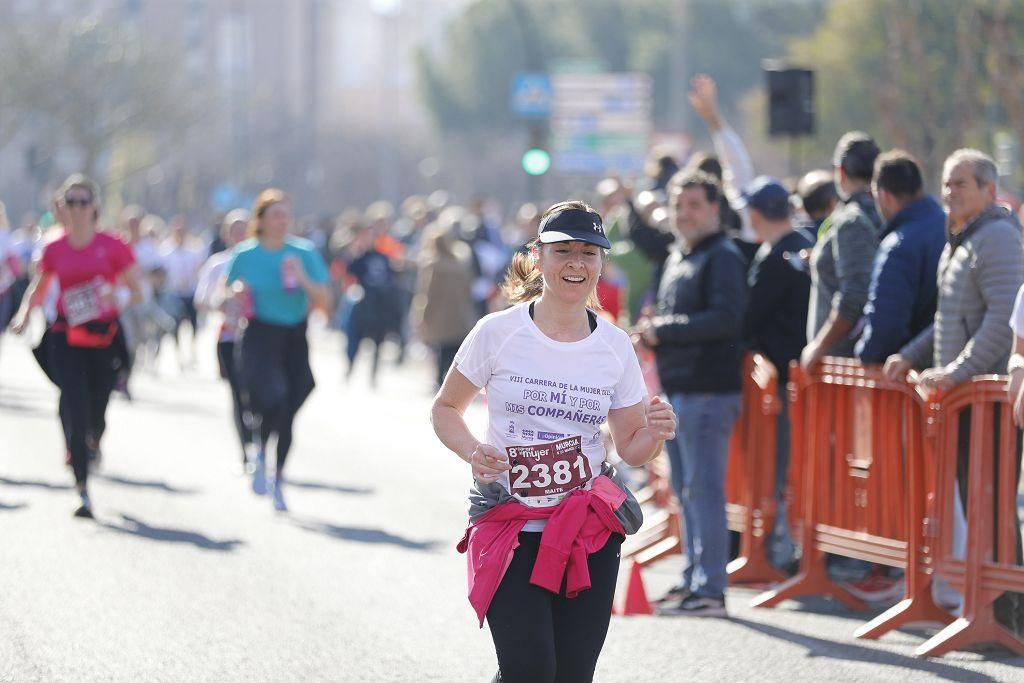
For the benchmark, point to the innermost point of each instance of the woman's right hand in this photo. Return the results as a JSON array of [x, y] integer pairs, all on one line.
[[488, 463]]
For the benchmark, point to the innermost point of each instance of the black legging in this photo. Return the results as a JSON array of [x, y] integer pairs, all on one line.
[[85, 377], [541, 637], [277, 379], [227, 352]]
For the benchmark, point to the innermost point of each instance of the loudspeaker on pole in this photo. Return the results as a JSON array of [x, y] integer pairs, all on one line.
[[790, 100]]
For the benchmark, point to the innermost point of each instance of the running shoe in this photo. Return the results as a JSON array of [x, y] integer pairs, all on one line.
[[875, 588], [674, 594], [84, 509], [278, 495], [259, 475], [694, 606]]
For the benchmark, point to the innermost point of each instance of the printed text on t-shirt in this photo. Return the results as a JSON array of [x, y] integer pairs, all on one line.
[[564, 400]]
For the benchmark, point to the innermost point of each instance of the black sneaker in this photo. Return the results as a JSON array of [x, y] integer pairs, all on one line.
[[694, 606], [84, 509], [674, 594]]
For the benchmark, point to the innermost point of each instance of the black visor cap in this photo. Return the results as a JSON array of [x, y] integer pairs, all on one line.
[[573, 225]]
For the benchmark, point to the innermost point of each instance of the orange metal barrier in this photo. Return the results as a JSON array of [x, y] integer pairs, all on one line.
[[858, 444], [750, 477], [989, 567]]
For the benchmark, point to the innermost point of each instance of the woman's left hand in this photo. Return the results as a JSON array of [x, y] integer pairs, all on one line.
[[661, 419]]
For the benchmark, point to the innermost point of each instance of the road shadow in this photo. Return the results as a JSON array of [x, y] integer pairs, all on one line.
[[136, 527], [364, 535], [144, 484], [819, 647], [30, 484], [814, 604], [27, 391], [172, 407], [335, 488], [27, 410], [9, 507]]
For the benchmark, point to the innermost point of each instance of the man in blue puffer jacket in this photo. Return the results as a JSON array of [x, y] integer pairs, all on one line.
[[903, 292]]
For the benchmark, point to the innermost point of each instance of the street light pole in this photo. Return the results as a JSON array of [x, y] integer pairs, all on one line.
[[677, 67], [536, 62]]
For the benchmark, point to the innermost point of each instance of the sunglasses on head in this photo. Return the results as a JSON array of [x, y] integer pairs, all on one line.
[[78, 201]]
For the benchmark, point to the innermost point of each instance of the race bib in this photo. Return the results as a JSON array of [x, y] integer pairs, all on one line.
[[82, 303], [548, 469]]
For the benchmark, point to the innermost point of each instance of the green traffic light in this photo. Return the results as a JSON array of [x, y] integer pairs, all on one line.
[[536, 161]]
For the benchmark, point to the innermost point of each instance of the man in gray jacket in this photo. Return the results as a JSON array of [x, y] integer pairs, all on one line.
[[980, 271], [842, 259]]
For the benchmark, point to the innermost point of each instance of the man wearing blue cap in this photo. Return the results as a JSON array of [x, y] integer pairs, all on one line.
[[776, 317]]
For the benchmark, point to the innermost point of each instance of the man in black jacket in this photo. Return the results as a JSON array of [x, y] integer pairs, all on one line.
[[696, 336], [776, 319]]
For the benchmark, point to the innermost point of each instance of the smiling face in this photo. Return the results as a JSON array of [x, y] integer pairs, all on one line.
[[964, 196], [693, 215], [570, 269]]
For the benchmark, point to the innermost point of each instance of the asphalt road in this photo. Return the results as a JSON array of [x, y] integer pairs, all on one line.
[[185, 575]]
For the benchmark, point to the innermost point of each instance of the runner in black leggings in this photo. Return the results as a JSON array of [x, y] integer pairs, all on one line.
[[554, 373], [285, 277], [83, 348]]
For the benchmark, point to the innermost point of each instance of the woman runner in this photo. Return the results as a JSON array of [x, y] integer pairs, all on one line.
[[209, 296], [88, 265], [285, 276], [554, 373]]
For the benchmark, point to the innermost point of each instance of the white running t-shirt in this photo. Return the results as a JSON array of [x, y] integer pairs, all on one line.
[[1017, 318], [547, 400]]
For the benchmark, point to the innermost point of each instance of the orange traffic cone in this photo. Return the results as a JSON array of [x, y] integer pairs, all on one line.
[[636, 597]]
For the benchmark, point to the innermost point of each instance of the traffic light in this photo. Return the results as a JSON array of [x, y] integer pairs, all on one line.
[[536, 161]]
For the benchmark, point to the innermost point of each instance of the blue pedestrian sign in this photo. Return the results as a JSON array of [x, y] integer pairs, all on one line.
[[224, 197], [531, 96]]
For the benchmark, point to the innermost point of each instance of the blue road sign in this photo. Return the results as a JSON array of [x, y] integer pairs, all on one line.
[[224, 197], [531, 96]]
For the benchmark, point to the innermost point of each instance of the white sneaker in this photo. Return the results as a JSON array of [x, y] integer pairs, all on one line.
[[259, 475]]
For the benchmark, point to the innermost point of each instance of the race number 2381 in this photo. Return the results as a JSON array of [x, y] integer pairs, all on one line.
[[546, 469]]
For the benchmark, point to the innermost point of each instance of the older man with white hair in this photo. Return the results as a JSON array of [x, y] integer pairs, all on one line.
[[980, 271]]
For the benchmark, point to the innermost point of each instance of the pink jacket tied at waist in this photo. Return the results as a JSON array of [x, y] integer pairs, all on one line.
[[578, 526]]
